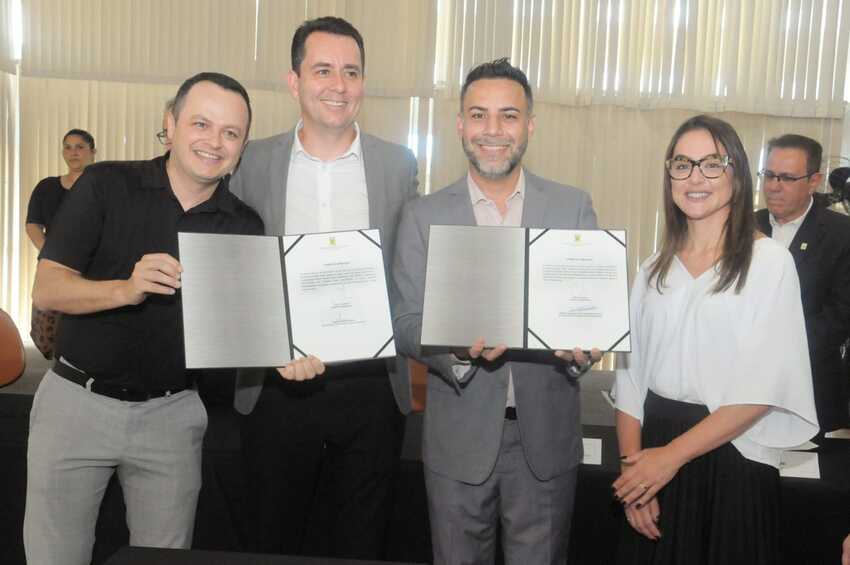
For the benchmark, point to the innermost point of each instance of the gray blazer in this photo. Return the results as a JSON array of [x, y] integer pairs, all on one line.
[[260, 181], [463, 421]]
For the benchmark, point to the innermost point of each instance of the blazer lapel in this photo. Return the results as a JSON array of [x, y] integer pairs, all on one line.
[[376, 186], [534, 203], [461, 214], [278, 175]]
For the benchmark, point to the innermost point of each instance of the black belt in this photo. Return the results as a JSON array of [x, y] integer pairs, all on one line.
[[105, 388], [510, 413]]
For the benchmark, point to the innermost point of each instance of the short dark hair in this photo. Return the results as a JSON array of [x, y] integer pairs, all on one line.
[[813, 149], [87, 137], [500, 68], [219, 79], [326, 24]]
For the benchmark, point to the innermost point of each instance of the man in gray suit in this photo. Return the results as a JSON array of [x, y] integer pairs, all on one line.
[[502, 438], [325, 175]]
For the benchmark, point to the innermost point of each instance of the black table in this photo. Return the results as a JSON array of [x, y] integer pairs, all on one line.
[[816, 513], [148, 556]]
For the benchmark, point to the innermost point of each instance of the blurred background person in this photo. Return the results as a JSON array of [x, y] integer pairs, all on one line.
[[162, 135], [797, 216], [78, 151]]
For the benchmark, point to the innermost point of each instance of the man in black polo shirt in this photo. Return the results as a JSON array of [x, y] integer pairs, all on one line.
[[120, 397]]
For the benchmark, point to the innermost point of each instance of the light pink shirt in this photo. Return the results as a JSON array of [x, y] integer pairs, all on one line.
[[487, 213]]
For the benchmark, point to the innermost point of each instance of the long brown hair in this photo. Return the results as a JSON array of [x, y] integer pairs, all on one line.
[[739, 230]]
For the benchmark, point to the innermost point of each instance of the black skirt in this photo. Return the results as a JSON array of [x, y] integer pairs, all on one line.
[[721, 508]]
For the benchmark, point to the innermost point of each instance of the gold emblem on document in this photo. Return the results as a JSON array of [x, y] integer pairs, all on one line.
[[577, 238], [331, 240]]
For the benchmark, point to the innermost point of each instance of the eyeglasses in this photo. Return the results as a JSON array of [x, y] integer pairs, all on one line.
[[712, 166], [162, 136], [770, 176]]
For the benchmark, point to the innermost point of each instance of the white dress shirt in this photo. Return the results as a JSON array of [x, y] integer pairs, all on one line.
[[717, 349], [324, 196], [784, 233]]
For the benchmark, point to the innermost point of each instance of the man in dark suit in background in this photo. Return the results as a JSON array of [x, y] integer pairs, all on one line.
[[325, 175], [819, 241]]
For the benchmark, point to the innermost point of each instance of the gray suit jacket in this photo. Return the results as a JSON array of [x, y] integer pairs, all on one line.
[[463, 421], [260, 181]]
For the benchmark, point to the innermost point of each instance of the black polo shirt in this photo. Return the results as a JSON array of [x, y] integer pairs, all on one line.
[[118, 212]]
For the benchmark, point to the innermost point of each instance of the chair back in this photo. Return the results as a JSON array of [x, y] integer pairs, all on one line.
[[12, 356]]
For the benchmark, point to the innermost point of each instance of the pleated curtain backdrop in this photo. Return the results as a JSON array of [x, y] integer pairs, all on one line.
[[612, 81]]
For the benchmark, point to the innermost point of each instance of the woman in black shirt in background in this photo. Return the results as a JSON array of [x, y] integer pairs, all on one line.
[[78, 151]]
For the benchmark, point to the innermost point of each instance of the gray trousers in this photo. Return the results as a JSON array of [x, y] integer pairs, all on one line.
[[78, 439], [535, 515]]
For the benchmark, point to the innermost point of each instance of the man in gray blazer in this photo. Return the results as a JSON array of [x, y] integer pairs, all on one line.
[[324, 175], [502, 438]]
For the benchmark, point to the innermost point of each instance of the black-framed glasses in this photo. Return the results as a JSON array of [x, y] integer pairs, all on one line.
[[770, 176], [162, 136], [711, 166]]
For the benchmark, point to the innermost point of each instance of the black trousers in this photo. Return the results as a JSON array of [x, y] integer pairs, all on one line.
[[332, 443]]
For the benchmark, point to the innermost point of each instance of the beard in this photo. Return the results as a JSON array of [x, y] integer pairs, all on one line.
[[494, 170]]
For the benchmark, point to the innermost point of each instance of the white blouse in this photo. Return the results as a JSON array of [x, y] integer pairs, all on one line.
[[691, 345]]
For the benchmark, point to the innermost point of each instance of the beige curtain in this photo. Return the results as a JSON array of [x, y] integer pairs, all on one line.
[[12, 295], [108, 66], [781, 57], [167, 41], [7, 59], [612, 80]]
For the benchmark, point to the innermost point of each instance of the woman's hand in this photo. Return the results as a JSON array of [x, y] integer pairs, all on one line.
[[645, 519], [645, 473]]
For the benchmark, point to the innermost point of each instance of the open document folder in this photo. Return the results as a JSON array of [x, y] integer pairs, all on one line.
[[261, 301], [526, 288]]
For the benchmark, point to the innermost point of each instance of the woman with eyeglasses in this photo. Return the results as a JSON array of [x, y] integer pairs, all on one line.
[[78, 152], [718, 380]]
